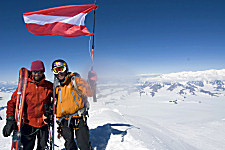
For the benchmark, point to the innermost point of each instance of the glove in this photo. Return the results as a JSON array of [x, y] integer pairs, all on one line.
[[9, 127], [59, 130], [87, 105], [47, 114]]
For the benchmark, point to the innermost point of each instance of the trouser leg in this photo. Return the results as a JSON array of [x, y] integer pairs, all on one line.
[[27, 138], [94, 96], [42, 137], [68, 135], [82, 136]]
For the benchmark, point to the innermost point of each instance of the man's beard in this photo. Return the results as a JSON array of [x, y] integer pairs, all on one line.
[[38, 78]]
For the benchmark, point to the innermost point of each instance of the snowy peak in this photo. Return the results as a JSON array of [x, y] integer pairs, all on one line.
[[208, 75], [209, 82]]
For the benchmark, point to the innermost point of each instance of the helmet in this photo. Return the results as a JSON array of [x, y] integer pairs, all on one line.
[[59, 63]]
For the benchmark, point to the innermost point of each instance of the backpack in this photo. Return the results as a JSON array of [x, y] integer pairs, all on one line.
[[72, 97]]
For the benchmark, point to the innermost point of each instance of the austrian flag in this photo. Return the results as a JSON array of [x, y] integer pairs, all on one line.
[[59, 21]]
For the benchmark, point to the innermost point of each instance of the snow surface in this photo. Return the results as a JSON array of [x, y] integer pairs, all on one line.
[[124, 120]]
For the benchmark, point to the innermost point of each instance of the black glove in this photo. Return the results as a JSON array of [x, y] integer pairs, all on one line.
[[59, 130], [48, 114], [9, 127]]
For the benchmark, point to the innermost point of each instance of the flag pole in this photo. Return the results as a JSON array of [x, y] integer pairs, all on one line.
[[93, 39]]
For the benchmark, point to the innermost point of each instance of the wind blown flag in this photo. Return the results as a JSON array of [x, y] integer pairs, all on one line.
[[59, 21]]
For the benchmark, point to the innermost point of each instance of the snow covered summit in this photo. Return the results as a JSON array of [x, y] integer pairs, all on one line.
[[181, 85]]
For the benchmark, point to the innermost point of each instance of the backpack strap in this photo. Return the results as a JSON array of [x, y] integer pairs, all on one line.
[[74, 85]]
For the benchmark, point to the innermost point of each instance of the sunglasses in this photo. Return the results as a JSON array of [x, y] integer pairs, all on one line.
[[57, 70], [37, 72]]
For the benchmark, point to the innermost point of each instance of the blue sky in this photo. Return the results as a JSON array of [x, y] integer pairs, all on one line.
[[131, 37]]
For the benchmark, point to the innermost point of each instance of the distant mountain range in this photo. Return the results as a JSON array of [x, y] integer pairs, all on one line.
[[208, 83], [8, 86]]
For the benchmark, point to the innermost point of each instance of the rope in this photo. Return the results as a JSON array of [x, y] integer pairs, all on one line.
[[32, 133]]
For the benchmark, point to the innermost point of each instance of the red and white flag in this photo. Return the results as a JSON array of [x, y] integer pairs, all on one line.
[[59, 21]]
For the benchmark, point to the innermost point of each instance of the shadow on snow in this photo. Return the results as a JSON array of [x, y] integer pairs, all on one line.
[[2, 107], [100, 136]]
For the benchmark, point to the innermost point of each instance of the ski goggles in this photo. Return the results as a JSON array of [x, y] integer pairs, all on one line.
[[57, 70]]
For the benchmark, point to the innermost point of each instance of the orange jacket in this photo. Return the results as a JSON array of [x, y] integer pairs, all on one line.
[[37, 94], [70, 97]]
